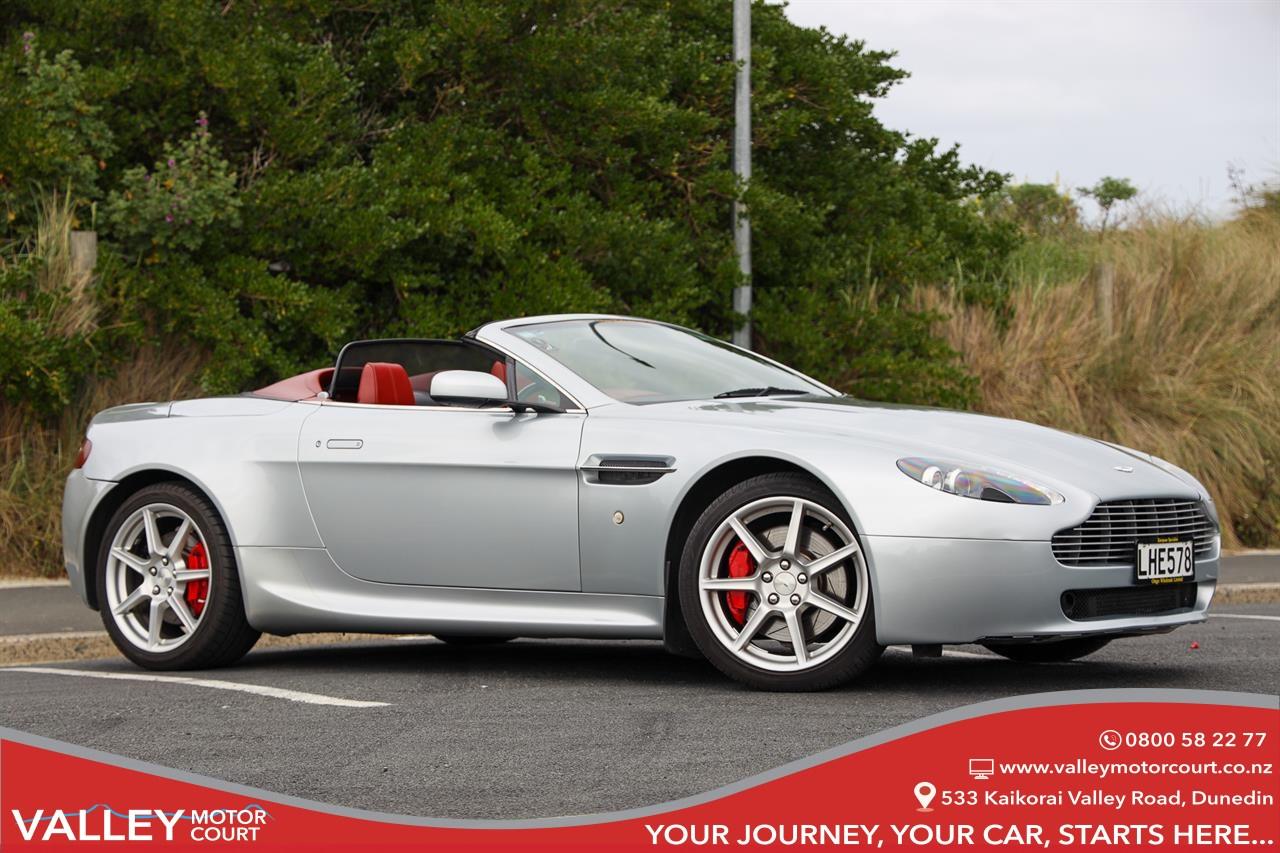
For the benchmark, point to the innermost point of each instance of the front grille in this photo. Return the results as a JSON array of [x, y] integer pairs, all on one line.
[[1110, 535], [1082, 604]]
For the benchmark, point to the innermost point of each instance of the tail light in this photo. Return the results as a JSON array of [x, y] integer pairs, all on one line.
[[82, 457]]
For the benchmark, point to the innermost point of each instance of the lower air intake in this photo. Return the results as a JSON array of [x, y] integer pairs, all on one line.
[[1084, 604]]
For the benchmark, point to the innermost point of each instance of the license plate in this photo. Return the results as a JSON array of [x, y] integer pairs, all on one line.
[[1166, 561]]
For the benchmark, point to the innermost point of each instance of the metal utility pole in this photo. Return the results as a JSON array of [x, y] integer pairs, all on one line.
[[742, 165]]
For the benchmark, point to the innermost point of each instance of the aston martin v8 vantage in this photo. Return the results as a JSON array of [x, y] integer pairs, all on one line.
[[609, 477]]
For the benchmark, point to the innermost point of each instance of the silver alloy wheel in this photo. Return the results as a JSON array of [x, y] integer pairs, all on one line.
[[147, 577], [809, 586]]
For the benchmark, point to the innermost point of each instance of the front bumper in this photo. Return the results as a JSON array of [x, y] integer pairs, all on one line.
[[930, 591], [79, 497]]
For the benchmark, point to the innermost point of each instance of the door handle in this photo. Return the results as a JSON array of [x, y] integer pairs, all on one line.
[[344, 444]]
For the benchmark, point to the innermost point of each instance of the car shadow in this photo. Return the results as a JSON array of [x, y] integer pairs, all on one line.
[[610, 660], [641, 663], [998, 675]]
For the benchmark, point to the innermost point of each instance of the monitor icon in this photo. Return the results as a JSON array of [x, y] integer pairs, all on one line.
[[982, 768]]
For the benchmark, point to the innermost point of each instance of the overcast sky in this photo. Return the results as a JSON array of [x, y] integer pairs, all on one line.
[[1165, 93]]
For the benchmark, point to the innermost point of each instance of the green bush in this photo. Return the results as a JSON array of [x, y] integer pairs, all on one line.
[[874, 347], [253, 323], [188, 195], [37, 368], [418, 168], [52, 134], [1042, 210]]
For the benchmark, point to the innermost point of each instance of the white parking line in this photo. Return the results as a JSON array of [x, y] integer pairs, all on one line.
[[955, 654], [32, 583], [55, 635], [951, 653], [1245, 616], [217, 684]]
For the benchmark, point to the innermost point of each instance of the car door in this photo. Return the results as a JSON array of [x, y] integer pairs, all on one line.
[[445, 496]]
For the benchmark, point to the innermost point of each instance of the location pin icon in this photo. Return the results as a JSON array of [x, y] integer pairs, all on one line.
[[924, 792]]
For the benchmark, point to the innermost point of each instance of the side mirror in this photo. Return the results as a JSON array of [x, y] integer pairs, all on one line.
[[472, 386]]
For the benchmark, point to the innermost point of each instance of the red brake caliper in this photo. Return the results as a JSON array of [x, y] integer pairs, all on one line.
[[741, 565], [197, 591]]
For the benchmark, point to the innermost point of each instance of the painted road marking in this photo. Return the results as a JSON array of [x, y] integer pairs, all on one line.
[[217, 684], [55, 635], [951, 653], [956, 654], [1245, 616]]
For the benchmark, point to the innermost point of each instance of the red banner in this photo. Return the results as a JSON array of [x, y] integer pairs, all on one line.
[[1131, 775]]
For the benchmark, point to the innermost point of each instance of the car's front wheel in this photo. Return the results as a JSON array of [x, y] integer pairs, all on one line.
[[168, 587], [774, 587], [1051, 651]]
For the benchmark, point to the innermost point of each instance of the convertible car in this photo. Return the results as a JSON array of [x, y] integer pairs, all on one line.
[[595, 476]]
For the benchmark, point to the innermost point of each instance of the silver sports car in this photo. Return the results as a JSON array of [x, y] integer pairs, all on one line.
[[595, 476]]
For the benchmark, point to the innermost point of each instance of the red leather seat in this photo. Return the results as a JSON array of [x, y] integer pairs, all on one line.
[[385, 384]]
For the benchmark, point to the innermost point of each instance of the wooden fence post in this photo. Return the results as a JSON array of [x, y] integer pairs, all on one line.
[[84, 252]]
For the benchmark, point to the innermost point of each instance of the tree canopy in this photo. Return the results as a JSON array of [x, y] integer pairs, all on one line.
[[1108, 192], [271, 179]]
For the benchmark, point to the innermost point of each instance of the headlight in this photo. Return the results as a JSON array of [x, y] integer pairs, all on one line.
[[981, 484]]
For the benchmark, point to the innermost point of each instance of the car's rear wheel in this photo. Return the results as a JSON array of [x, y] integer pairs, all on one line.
[[775, 589], [168, 587], [1052, 651]]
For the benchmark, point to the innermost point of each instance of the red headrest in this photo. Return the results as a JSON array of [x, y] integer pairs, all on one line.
[[385, 384], [499, 370]]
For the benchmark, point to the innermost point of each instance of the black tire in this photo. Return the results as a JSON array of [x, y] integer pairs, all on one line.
[[1053, 651], [858, 655], [471, 640], [223, 634]]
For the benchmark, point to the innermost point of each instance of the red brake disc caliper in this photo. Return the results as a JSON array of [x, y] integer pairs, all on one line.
[[197, 591], [741, 565]]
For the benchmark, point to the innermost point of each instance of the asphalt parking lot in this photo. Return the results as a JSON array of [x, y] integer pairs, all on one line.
[[549, 728]]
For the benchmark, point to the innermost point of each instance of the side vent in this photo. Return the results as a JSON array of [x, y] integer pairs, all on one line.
[[608, 470]]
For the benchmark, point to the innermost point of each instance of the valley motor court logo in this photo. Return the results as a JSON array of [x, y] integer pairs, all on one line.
[[101, 822]]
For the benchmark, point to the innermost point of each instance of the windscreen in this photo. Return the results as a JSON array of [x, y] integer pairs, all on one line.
[[642, 362]]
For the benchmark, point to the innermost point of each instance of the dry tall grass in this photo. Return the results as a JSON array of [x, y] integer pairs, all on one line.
[[75, 311], [36, 456], [1191, 372], [37, 452]]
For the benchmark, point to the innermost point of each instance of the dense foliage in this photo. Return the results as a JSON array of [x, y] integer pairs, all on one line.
[[1040, 210], [273, 178]]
